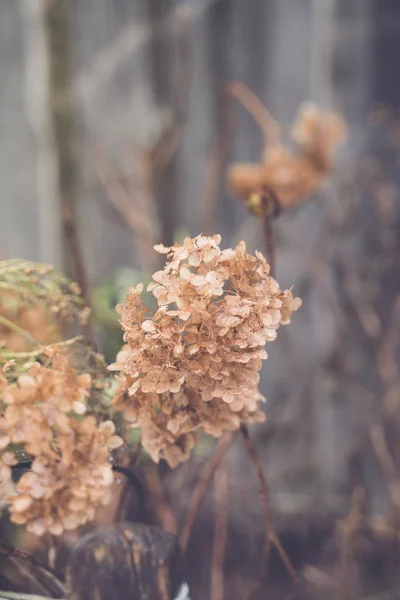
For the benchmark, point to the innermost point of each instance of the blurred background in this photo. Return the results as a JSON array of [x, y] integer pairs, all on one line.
[[115, 136]]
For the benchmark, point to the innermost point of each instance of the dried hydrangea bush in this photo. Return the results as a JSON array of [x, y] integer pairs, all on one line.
[[194, 363], [191, 365]]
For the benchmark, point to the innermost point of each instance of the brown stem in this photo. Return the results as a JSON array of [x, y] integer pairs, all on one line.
[[271, 536], [133, 482], [45, 578], [220, 534], [19, 330], [202, 484], [269, 242], [19, 596], [135, 203], [257, 110], [349, 528], [216, 163], [271, 208], [159, 500], [75, 249]]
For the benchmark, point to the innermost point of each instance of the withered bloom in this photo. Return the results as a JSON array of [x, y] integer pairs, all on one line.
[[194, 364], [70, 474], [292, 174]]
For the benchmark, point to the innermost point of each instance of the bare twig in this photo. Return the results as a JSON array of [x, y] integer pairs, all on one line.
[[271, 209], [216, 162], [136, 205], [257, 110], [122, 201], [17, 596], [382, 452], [269, 243], [270, 534], [75, 250], [133, 482], [27, 575], [220, 533], [349, 528], [202, 484], [19, 330], [43, 577], [160, 502], [367, 315], [7, 551], [380, 446], [387, 362]]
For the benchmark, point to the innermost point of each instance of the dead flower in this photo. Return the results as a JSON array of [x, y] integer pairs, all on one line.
[[291, 175], [194, 364]]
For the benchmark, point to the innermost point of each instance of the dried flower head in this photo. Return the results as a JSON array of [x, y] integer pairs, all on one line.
[[71, 472], [292, 175], [194, 363], [62, 494]]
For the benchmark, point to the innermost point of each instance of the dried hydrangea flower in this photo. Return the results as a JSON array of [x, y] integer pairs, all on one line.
[[292, 174], [71, 473], [59, 495], [194, 364]]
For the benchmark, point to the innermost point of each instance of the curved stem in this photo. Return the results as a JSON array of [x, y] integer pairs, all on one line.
[[19, 330], [18, 596], [34, 353], [257, 110], [271, 535], [202, 484]]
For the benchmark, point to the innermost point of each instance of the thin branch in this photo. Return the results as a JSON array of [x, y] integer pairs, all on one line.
[[35, 353], [350, 526], [202, 484], [160, 502], [367, 315], [118, 195], [27, 575], [17, 596], [136, 205], [216, 163], [271, 536], [381, 449], [387, 361], [271, 208], [220, 533], [19, 330], [269, 243], [72, 238], [7, 551], [257, 110], [24, 561]]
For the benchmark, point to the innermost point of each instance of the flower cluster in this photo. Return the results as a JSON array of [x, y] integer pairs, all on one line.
[[194, 364], [70, 473], [294, 176]]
